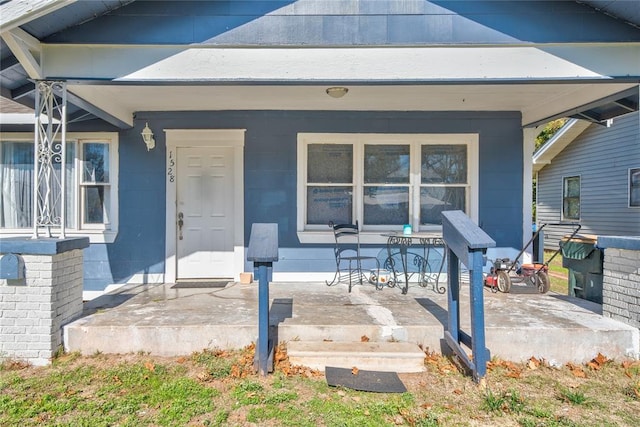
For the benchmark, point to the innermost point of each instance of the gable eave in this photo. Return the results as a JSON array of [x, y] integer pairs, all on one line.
[[16, 13], [567, 134]]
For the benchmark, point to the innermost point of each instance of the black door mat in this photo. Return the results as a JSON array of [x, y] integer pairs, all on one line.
[[200, 285], [380, 382]]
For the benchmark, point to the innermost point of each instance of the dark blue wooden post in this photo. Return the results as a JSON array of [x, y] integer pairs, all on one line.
[[466, 243], [263, 251], [453, 296]]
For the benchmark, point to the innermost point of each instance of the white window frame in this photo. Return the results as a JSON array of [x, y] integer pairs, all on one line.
[[637, 206], [82, 185], [97, 233], [562, 215], [371, 233]]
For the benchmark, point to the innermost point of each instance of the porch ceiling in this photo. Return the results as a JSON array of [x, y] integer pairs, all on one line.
[[537, 101]]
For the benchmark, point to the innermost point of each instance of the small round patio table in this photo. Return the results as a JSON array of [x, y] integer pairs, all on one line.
[[403, 241]]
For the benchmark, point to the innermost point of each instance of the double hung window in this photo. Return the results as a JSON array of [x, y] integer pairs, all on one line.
[[571, 198], [385, 181], [91, 185]]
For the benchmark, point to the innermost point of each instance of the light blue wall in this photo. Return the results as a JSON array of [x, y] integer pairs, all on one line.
[[270, 180]]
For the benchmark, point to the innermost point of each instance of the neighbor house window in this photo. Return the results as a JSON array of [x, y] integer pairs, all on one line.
[[634, 187], [571, 198], [91, 182], [384, 181]]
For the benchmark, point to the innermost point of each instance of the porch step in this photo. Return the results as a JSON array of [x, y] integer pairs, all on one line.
[[373, 356]]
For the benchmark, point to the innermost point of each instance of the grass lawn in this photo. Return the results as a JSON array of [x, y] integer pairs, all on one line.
[[219, 388], [557, 273]]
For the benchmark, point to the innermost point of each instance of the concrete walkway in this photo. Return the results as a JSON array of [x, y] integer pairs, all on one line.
[[166, 321]]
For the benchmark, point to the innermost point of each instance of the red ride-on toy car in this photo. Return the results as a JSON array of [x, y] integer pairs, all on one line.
[[506, 271]]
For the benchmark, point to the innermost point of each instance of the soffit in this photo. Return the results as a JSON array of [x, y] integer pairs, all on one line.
[[535, 101], [625, 10]]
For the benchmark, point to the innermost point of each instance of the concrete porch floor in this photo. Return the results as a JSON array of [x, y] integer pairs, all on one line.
[[166, 321]]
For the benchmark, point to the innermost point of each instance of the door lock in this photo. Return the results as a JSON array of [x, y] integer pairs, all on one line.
[[180, 224]]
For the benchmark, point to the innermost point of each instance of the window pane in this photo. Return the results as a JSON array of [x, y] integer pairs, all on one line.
[[95, 158], [386, 164], [634, 187], [326, 204], [71, 189], [94, 202], [435, 200], [444, 164], [330, 163], [386, 205], [571, 208], [571, 199], [572, 187], [16, 184]]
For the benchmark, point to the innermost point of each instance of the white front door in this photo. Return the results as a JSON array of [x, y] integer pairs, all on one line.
[[205, 212]]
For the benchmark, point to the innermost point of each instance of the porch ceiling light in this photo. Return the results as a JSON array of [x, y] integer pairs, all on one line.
[[337, 91], [147, 137]]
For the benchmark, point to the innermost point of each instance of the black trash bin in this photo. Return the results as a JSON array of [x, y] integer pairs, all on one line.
[[584, 261]]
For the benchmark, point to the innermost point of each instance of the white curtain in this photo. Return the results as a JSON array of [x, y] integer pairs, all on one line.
[[16, 183]]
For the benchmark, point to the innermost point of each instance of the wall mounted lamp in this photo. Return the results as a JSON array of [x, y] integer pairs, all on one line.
[[147, 137], [337, 91]]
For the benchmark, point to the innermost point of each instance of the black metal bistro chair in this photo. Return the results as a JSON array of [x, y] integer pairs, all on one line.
[[349, 260]]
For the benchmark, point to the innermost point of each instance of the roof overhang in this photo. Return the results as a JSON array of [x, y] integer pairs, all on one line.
[[113, 82], [538, 81], [558, 142], [603, 110], [16, 13]]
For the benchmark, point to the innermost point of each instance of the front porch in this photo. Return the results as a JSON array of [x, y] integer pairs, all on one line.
[[162, 320]]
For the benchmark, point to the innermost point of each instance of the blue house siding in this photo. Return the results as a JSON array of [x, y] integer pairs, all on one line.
[[270, 162], [602, 157]]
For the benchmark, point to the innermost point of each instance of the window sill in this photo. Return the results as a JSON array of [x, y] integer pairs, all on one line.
[[95, 236]]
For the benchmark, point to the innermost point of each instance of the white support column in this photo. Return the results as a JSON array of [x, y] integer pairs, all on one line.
[[528, 136], [49, 158]]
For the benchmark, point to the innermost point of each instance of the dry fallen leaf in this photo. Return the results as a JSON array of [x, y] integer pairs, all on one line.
[[457, 391], [203, 376], [600, 359], [354, 371], [364, 338], [593, 365], [576, 370], [150, 366]]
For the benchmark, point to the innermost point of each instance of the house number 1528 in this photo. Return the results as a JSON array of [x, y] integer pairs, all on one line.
[[170, 169]]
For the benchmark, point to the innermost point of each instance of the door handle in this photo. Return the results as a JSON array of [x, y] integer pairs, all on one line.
[[180, 224]]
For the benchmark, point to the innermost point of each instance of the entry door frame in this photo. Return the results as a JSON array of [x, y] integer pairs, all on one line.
[[194, 138]]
